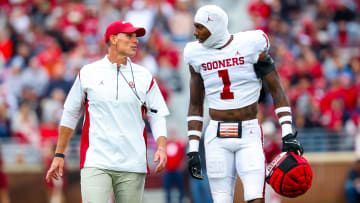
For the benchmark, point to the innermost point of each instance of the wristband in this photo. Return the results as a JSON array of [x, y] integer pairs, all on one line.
[[194, 145], [60, 155], [283, 119], [194, 132], [194, 118], [283, 109], [286, 129]]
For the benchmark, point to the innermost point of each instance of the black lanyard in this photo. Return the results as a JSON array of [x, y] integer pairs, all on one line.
[[132, 88]]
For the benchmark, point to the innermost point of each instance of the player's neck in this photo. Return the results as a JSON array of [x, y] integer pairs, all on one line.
[[228, 42]]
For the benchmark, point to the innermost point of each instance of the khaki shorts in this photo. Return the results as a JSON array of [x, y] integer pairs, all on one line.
[[97, 184]]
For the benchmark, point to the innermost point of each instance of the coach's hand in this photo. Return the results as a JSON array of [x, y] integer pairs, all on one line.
[[290, 144], [194, 165], [56, 169], [160, 154]]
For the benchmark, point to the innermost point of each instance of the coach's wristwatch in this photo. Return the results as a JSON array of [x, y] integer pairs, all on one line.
[[60, 155]]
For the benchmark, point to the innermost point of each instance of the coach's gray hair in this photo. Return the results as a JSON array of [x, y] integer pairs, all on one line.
[[216, 21]]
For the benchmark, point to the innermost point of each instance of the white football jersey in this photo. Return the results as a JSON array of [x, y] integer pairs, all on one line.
[[229, 77]]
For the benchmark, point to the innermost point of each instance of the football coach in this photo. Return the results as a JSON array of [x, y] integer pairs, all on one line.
[[114, 94]]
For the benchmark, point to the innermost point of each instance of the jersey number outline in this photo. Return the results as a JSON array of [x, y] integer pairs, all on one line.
[[226, 93]]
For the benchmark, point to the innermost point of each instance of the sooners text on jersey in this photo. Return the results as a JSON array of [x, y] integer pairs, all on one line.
[[229, 78], [223, 63]]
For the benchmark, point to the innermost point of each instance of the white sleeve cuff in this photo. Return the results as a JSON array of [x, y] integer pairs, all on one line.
[[69, 120], [158, 126]]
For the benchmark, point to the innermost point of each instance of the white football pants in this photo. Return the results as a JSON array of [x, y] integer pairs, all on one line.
[[226, 156]]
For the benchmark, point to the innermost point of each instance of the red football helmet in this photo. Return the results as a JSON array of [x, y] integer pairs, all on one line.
[[289, 174]]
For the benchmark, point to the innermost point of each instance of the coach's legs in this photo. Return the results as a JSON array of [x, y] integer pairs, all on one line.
[[95, 185], [128, 187]]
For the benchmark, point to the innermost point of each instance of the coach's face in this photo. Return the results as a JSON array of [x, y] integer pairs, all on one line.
[[125, 43], [201, 32]]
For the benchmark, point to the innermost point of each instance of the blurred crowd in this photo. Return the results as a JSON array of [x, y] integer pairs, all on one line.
[[43, 45], [315, 45]]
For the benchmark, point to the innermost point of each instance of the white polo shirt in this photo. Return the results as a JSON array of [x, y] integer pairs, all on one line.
[[114, 134]]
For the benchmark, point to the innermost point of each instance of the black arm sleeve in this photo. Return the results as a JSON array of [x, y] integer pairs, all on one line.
[[264, 66]]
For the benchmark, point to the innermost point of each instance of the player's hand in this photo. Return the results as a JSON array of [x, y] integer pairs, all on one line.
[[160, 155], [56, 169], [194, 165], [290, 144]]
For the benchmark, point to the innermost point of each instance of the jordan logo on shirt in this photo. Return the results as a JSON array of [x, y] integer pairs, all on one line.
[[101, 82], [237, 53]]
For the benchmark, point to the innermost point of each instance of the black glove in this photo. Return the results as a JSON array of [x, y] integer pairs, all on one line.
[[194, 165], [290, 144]]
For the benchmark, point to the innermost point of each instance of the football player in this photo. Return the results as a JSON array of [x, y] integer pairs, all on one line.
[[230, 69]]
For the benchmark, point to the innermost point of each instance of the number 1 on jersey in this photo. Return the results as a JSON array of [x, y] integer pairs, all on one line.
[[226, 94]]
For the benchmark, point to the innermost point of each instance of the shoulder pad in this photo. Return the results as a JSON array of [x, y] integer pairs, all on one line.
[[264, 66]]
